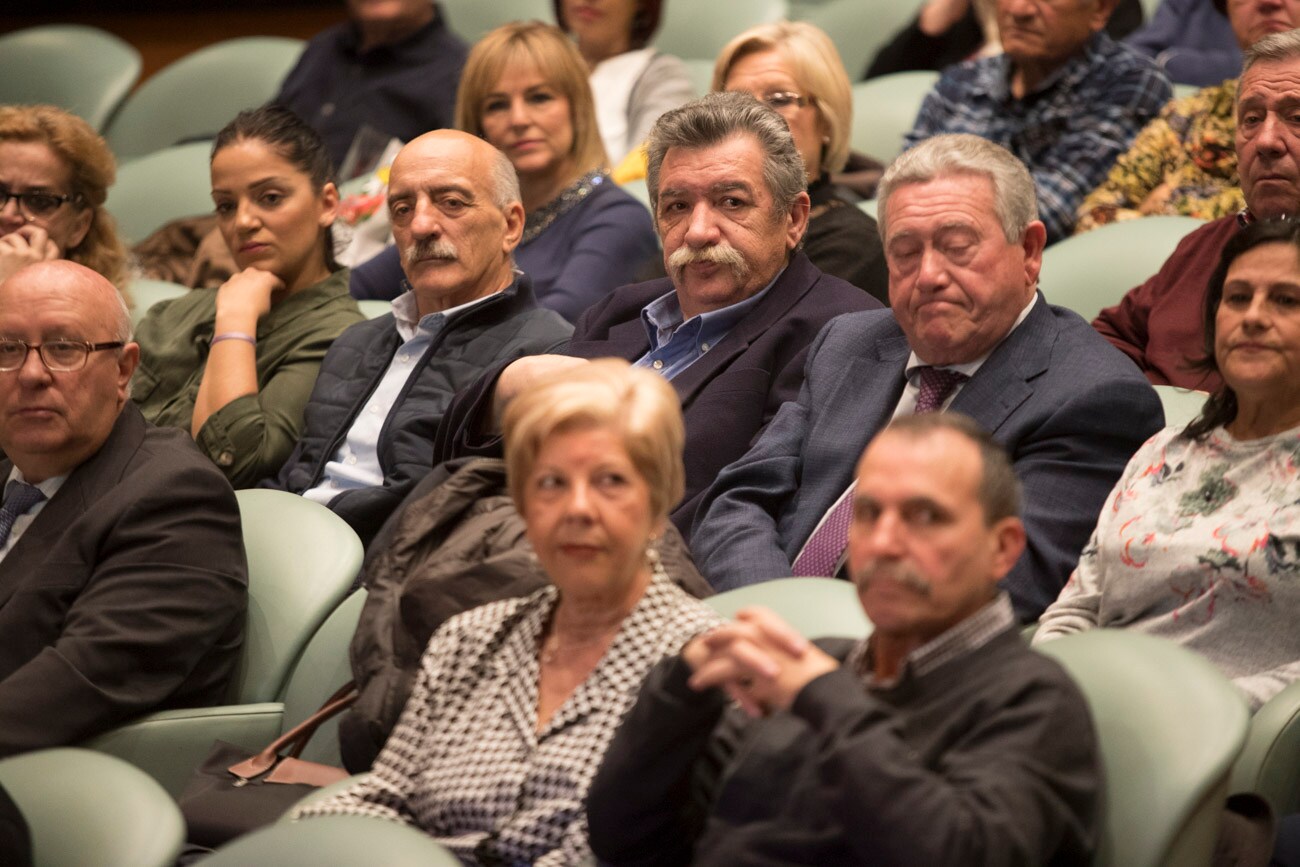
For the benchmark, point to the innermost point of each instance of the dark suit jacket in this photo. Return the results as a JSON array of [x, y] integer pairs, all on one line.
[[1069, 408], [727, 396], [125, 595]]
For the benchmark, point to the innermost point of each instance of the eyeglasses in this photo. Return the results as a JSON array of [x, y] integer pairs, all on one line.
[[785, 101], [61, 356], [36, 204]]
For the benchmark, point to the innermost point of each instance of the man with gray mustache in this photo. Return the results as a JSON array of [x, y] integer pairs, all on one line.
[[731, 325], [453, 201], [940, 739]]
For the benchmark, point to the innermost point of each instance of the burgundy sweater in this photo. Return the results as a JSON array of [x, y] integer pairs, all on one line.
[[1158, 324]]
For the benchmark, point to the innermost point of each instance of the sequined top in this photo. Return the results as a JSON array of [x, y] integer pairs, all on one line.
[[1189, 150], [572, 196]]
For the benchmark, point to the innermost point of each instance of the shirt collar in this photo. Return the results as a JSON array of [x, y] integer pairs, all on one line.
[[406, 311], [49, 487], [914, 363], [965, 637], [663, 318]]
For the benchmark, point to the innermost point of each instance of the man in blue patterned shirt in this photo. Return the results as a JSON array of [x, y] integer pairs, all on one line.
[[1064, 98]]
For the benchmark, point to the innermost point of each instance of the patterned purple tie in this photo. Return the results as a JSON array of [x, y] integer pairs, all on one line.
[[826, 545], [19, 497]]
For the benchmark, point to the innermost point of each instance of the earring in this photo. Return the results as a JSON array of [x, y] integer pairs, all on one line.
[[652, 557]]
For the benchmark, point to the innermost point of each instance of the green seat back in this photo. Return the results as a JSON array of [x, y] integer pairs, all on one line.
[[302, 561], [699, 30], [1170, 726], [81, 69], [323, 667], [145, 293], [1181, 405], [1094, 270], [373, 308], [859, 28], [884, 110], [87, 809], [816, 607], [197, 95], [334, 841], [470, 19], [157, 188]]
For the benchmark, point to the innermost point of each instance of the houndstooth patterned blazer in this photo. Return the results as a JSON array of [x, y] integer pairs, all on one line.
[[465, 762]]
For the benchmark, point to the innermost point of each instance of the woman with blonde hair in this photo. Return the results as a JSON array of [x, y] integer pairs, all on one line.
[[516, 701], [55, 172], [794, 68], [524, 90]]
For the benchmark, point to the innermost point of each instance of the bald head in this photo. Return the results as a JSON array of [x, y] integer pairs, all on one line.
[[51, 421], [497, 170], [453, 203]]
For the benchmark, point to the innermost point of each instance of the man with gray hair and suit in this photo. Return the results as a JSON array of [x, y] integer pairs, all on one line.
[[969, 332]]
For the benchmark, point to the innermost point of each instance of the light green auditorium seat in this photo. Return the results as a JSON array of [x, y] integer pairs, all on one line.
[[145, 293], [884, 110], [86, 809], [859, 28], [334, 841], [197, 95], [1170, 727], [1270, 763], [697, 31], [302, 561], [157, 188], [1181, 405], [81, 69], [816, 607], [1094, 270]]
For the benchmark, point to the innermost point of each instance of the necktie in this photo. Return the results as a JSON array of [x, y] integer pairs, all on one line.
[[826, 545], [19, 497]]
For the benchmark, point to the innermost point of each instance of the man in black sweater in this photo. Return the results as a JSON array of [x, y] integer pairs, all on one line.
[[941, 739]]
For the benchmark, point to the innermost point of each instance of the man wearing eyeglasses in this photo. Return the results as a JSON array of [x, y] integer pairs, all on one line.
[[122, 573]]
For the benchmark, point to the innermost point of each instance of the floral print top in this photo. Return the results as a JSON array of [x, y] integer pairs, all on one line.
[[1187, 156], [1200, 543]]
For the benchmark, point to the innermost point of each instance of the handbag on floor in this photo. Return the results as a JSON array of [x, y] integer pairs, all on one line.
[[234, 792]]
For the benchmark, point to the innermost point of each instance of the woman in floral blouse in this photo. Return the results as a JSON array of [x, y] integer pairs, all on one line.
[[1200, 540]]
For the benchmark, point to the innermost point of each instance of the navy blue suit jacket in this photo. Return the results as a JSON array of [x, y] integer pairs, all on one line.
[[1069, 408]]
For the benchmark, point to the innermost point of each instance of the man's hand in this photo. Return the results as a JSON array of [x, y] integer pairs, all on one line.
[[26, 246], [938, 16], [521, 375], [758, 660]]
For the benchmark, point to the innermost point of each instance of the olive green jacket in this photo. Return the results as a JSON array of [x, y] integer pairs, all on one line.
[[250, 437]]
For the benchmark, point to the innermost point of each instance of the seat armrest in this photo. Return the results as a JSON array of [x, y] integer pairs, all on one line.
[[1270, 762], [170, 744]]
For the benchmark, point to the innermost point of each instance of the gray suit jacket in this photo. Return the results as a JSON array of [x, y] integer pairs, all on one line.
[[125, 595], [1069, 408]]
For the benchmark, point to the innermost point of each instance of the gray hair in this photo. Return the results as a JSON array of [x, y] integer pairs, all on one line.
[[122, 320], [1274, 48], [1014, 198], [717, 117], [505, 183]]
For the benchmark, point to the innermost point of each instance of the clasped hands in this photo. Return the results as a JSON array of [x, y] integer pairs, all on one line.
[[758, 660]]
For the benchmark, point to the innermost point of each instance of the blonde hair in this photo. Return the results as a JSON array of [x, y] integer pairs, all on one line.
[[93, 171], [557, 61], [816, 67], [640, 406]]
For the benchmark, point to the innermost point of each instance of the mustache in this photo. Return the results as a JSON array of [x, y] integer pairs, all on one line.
[[718, 254], [430, 248], [875, 571]]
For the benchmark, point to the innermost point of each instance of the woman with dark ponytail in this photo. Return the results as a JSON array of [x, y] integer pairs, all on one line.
[[236, 365]]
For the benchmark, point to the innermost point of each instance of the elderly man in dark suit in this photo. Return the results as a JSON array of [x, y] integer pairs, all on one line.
[[731, 325], [123, 583], [970, 333]]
